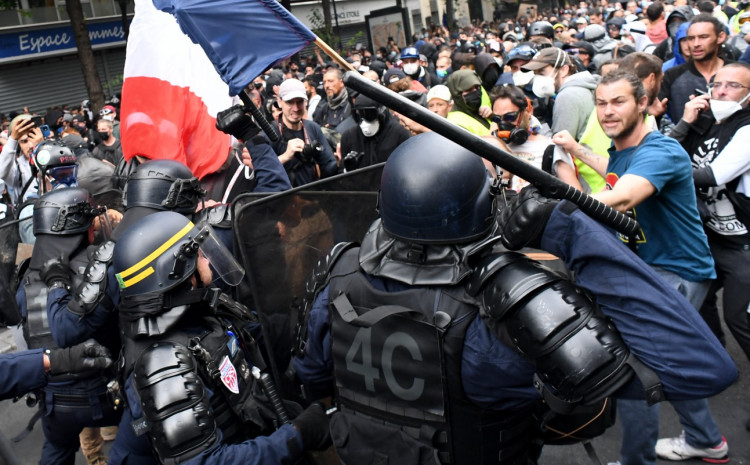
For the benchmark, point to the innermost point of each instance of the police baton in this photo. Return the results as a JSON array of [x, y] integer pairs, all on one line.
[[547, 184]]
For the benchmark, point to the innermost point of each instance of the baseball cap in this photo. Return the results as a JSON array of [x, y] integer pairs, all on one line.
[[67, 117], [292, 89], [106, 110], [393, 75], [79, 118], [439, 91], [548, 56]]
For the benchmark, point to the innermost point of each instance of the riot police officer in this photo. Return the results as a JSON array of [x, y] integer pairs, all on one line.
[[188, 358], [418, 333], [62, 219]]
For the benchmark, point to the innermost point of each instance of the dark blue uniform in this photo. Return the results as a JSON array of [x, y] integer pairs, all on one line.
[[657, 322], [72, 405], [21, 372]]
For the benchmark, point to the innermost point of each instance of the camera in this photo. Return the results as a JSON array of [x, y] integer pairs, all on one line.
[[310, 151]]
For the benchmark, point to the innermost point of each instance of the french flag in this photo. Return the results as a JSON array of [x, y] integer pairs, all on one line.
[[185, 60]]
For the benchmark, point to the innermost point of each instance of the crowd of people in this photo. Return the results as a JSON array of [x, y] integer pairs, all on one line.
[[644, 106]]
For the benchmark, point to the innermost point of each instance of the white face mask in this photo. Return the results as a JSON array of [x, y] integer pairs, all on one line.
[[369, 128], [543, 86], [356, 64], [723, 109], [521, 78], [411, 68], [745, 29]]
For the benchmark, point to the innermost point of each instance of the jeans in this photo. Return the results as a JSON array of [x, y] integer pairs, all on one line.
[[733, 275], [640, 423]]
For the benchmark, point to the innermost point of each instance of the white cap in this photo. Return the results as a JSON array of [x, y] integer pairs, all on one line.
[[439, 91], [291, 89]]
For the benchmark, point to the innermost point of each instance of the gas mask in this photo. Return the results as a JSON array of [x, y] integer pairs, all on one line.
[[509, 132]]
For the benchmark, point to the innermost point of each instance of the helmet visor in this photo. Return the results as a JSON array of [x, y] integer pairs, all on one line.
[[223, 263]]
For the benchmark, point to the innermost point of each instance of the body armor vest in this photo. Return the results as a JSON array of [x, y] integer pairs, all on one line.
[[36, 330], [397, 364]]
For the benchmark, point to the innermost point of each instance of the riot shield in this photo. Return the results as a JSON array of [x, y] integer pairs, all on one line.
[[279, 238], [9, 239]]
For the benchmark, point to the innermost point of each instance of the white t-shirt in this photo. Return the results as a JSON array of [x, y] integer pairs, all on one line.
[[532, 152]]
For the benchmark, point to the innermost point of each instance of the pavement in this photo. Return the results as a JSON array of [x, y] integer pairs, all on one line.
[[731, 409]]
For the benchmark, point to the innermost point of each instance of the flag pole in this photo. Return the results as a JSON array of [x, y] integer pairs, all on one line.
[[333, 54]]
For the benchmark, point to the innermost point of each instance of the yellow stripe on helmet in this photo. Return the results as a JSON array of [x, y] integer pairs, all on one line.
[[151, 257]]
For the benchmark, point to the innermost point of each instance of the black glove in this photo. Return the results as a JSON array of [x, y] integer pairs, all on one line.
[[524, 219], [84, 357], [54, 270], [312, 425], [234, 121]]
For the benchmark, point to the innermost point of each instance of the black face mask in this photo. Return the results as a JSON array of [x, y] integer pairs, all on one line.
[[103, 135], [490, 78], [473, 99]]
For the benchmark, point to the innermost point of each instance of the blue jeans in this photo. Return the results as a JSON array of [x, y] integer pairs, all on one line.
[[640, 423]]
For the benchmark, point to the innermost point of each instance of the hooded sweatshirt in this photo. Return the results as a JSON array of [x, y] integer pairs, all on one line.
[[574, 103], [677, 59], [664, 49]]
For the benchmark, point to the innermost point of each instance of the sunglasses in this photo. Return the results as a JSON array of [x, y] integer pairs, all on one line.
[[506, 118]]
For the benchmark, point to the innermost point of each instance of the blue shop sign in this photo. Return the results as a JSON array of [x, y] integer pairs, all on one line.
[[57, 40]]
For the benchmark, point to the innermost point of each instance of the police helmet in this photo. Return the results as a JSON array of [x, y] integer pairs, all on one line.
[[57, 163], [435, 191], [541, 28], [163, 185], [410, 52], [64, 212], [161, 251]]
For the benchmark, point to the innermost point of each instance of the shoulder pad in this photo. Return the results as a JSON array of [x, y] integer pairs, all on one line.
[[92, 290], [317, 281], [487, 267], [507, 279], [218, 216]]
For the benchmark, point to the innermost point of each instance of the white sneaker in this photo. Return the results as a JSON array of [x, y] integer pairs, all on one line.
[[613, 463], [678, 449]]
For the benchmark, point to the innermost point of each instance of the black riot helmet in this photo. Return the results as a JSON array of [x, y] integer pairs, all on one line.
[[161, 251], [163, 185], [541, 28], [57, 164], [64, 212], [435, 191]]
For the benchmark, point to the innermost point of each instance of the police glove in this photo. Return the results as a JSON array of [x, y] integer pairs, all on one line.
[[523, 221], [234, 121], [312, 425], [56, 270], [85, 357]]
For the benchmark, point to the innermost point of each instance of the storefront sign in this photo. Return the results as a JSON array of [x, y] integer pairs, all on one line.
[[18, 45]]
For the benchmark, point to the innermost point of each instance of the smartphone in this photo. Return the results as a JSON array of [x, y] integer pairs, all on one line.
[[37, 120], [45, 130]]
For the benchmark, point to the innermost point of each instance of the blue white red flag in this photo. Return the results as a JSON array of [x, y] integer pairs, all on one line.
[[171, 95], [242, 38]]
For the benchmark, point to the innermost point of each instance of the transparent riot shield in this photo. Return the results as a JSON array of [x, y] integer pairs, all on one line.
[[279, 238]]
